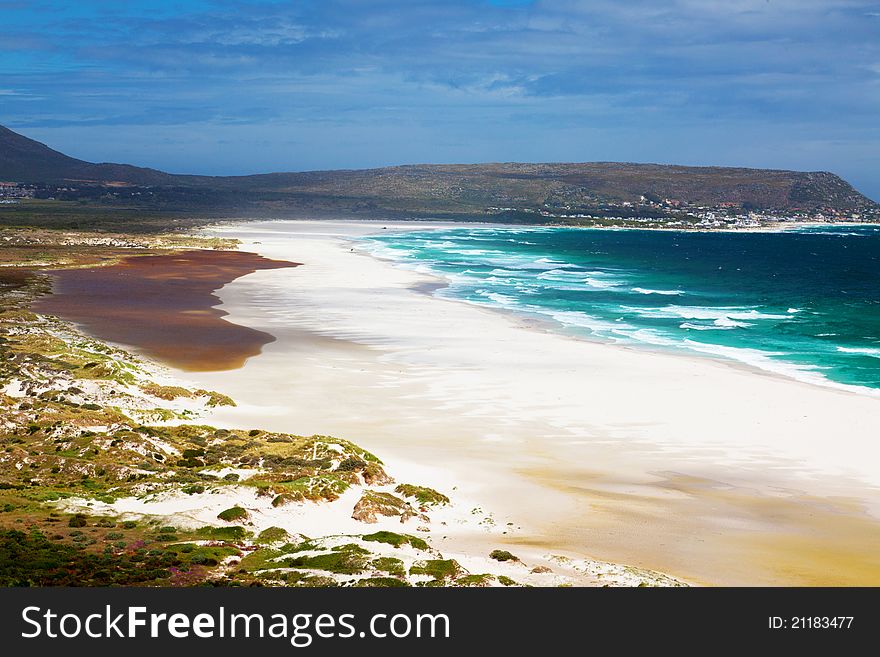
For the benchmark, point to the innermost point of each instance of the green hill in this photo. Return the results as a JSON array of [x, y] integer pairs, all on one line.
[[451, 191]]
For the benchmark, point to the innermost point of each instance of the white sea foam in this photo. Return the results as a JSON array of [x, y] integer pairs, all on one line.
[[576, 319], [497, 297], [722, 324], [702, 327], [728, 323], [600, 283], [769, 361], [725, 313], [520, 272], [865, 351], [642, 290]]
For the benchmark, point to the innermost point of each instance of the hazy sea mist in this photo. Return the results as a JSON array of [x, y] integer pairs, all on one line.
[[802, 303]]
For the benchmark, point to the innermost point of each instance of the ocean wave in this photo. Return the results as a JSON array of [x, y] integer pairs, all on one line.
[[600, 283], [642, 290], [728, 323], [770, 361], [496, 297], [560, 274], [874, 352], [715, 313], [721, 324], [577, 319], [470, 252], [585, 280], [483, 268]]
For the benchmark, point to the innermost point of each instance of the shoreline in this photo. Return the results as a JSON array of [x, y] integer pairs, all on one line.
[[672, 488], [116, 446], [542, 323]]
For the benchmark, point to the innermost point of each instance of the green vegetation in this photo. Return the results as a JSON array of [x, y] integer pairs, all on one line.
[[440, 569], [381, 582], [397, 539], [166, 392], [502, 555], [475, 580], [389, 565], [425, 496], [374, 503], [31, 559], [77, 431], [130, 198], [272, 535], [222, 533], [232, 514], [348, 559], [78, 520]]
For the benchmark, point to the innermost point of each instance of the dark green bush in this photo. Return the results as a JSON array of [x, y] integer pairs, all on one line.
[[78, 520]]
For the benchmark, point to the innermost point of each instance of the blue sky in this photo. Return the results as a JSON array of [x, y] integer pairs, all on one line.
[[225, 87]]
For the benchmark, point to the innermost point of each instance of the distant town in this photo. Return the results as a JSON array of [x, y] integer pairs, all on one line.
[[676, 213]]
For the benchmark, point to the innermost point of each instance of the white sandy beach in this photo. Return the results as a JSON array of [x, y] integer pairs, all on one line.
[[705, 470]]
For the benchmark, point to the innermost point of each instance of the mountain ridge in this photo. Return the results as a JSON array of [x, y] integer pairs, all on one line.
[[449, 189]]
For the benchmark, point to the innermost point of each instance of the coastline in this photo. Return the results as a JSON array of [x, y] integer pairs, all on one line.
[[115, 445], [780, 507]]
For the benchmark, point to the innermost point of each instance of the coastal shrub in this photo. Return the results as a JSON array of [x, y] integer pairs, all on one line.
[[235, 533], [318, 581], [345, 560], [475, 580], [392, 538], [351, 464], [381, 582], [167, 393], [374, 475], [232, 514], [215, 398], [203, 560], [373, 504], [195, 489], [439, 569], [31, 559], [273, 535], [502, 555], [232, 476], [78, 520], [287, 498], [506, 581], [423, 494], [389, 565], [189, 463], [113, 536]]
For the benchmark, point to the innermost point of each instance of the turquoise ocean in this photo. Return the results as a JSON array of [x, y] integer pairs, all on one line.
[[802, 303]]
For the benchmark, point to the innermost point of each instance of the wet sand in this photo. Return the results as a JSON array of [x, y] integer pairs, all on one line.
[[163, 306]]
